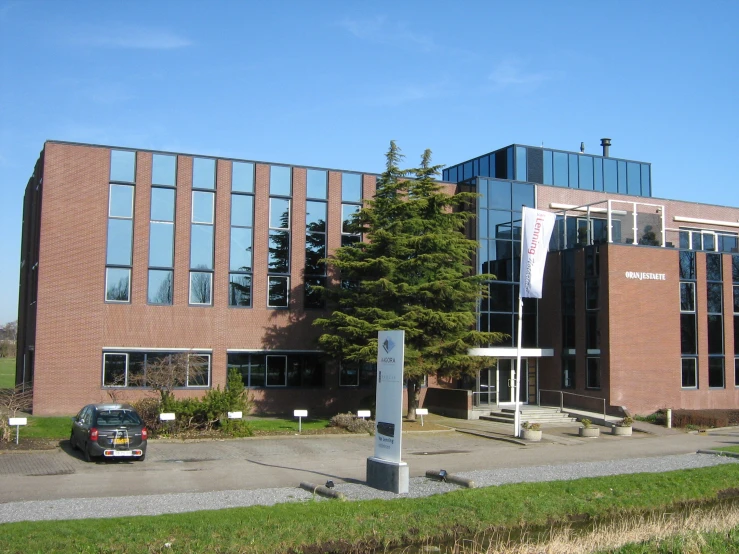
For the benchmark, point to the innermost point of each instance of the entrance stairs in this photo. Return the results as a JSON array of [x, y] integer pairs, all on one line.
[[546, 417]]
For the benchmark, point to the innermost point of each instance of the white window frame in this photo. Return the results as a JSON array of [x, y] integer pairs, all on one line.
[[187, 381], [112, 301], [694, 359], [210, 301], [125, 371]]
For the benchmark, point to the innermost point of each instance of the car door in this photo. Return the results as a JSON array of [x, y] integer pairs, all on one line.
[[80, 427]]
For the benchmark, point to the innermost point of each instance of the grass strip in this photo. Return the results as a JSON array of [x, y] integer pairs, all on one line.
[[727, 449], [326, 526], [7, 373]]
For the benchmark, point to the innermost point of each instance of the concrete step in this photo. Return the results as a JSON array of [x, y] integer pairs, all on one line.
[[533, 414]]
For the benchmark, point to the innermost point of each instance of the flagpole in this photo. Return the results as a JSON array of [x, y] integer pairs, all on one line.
[[516, 388]]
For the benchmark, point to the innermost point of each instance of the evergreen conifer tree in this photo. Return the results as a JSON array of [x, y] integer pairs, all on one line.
[[413, 271]]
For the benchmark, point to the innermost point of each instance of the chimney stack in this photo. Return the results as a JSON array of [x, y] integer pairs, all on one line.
[[605, 143]]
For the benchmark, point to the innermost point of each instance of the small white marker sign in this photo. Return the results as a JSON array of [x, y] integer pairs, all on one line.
[[300, 414], [364, 413], [17, 421], [235, 415], [422, 412], [167, 416]]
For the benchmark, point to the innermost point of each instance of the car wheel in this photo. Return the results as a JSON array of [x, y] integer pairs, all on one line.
[[141, 458], [88, 458]]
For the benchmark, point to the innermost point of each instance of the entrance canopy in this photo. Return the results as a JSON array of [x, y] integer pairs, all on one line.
[[511, 352]]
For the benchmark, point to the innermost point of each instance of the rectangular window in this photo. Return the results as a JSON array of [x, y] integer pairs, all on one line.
[[317, 184], [688, 335], [164, 170], [204, 173], [201, 285], [160, 287], [242, 177], [292, 370], [357, 374], [122, 166], [315, 251], [716, 372], [689, 373], [280, 180], [239, 290], [119, 250], [117, 284], [736, 372], [593, 373], [202, 246], [568, 373], [132, 369], [276, 371], [687, 297], [278, 293]]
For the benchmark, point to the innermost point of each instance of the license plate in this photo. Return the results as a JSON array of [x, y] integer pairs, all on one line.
[[120, 441]]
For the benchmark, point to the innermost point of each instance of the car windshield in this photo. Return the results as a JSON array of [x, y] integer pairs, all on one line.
[[118, 417]]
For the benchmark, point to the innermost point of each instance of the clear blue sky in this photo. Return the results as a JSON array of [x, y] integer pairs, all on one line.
[[331, 83]]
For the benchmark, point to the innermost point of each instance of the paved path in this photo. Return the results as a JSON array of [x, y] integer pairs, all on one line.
[[274, 462]]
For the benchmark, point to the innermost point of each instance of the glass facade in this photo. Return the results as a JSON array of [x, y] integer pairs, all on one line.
[[119, 248], [554, 167]]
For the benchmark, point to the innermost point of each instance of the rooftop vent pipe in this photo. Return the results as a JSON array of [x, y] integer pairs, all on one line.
[[605, 143]]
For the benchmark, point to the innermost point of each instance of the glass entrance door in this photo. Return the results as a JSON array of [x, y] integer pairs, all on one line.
[[506, 379], [486, 389]]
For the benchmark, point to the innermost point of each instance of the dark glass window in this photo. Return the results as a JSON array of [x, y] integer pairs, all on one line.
[[713, 267], [586, 172], [123, 166], [502, 323], [521, 164], [276, 371], [239, 290], [317, 184], [548, 168], [687, 297], [591, 294], [198, 370], [114, 370], [279, 251], [715, 334], [347, 213], [523, 195], [351, 187], [593, 333], [242, 210], [485, 166], [315, 251], [687, 265], [499, 197], [646, 182], [568, 373], [280, 180], [689, 373], [160, 287], [278, 292], [313, 297], [163, 170], [561, 171], [242, 177], [714, 297], [499, 225], [688, 339], [715, 372], [200, 287], [501, 297], [203, 173], [241, 249], [593, 373], [534, 165], [736, 301]]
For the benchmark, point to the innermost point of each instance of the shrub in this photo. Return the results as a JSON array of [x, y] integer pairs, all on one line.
[[149, 410], [586, 422], [625, 422], [353, 424], [531, 426], [237, 428]]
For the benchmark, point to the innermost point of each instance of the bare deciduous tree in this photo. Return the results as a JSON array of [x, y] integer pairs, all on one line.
[[171, 371], [12, 401]]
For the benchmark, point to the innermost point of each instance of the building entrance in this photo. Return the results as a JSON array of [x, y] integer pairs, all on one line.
[[495, 384]]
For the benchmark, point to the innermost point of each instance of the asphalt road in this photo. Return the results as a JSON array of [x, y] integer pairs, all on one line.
[[256, 463]]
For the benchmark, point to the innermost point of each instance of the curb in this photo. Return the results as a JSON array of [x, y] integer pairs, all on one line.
[[493, 437], [719, 453], [456, 479]]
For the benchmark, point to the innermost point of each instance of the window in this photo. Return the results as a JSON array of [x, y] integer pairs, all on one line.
[[315, 251], [593, 374], [164, 170], [714, 307], [280, 370], [689, 373], [357, 374], [131, 369], [278, 293], [242, 223], [278, 263], [161, 246], [568, 373], [119, 251], [280, 180], [317, 184], [202, 233], [715, 372]]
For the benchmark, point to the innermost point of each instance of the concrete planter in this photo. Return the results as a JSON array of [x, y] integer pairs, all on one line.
[[531, 435], [590, 432], [621, 431]]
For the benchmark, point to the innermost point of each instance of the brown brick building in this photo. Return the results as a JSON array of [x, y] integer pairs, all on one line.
[[131, 255]]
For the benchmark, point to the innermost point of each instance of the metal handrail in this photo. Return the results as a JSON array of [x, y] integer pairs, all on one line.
[[561, 399]]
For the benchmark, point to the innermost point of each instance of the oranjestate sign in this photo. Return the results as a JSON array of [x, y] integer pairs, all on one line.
[[644, 276]]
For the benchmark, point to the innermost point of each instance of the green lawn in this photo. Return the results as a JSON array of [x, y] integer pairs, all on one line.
[[7, 373], [277, 424], [728, 449], [325, 525]]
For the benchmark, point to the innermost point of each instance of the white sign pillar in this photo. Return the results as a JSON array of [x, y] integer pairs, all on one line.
[[385, 470]]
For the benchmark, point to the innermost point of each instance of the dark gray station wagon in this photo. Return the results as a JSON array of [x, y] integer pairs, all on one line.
[[109, 430]]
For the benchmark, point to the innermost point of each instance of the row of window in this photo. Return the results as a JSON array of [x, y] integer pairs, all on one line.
[[202, 231], [139, 369], [562, 169]]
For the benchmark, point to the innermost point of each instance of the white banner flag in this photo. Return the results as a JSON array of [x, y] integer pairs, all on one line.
[[537, 230]]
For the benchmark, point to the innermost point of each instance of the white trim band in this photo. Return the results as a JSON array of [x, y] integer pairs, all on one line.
[[705, 221], [510, 352]]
